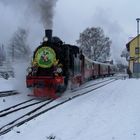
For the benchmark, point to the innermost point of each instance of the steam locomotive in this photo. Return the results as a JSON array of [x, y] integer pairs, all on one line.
[[57, 66]]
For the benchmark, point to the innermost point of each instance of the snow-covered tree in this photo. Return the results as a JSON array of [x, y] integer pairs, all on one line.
[[121, 66], [95, 44], [125, 54], [18, 48]]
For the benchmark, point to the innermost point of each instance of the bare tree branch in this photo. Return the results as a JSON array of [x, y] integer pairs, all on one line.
[[95, 44], [18, 48]]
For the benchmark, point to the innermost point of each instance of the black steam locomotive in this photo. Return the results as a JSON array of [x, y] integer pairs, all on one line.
[[52, 66]]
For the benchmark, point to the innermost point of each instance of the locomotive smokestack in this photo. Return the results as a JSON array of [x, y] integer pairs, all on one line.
[[48, 34]]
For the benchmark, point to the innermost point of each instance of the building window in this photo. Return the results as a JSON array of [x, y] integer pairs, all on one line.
[[136, 50], [136, 68]]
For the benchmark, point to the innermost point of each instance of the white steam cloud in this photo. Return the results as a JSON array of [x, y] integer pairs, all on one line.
[[28, 14]]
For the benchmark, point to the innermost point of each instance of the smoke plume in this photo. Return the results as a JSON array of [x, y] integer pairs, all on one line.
[[45, 10]]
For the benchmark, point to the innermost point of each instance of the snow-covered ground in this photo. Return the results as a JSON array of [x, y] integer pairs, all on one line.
[[109, 113]]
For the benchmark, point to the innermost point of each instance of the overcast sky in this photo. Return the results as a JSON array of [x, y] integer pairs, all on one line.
[[71, 17]]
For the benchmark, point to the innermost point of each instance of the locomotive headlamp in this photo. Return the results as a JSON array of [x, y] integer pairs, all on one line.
[[45, 39], [59, 70]]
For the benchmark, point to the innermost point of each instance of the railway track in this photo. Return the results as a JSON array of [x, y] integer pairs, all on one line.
[[8, 93], [6, 127], [47, 106], [89, 88], [90, 85], [17, 108], [14, 106]]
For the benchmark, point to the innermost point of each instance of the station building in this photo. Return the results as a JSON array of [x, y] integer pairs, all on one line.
[[133, 47]]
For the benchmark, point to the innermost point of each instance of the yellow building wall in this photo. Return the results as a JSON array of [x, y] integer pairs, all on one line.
[[133, 44]]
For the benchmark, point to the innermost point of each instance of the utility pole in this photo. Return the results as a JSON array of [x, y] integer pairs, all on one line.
[[138, 66]]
